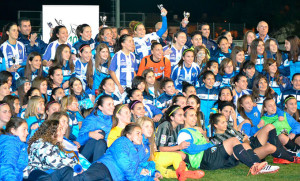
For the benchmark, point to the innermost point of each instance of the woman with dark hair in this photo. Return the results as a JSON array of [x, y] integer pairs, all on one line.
[[186, 70], [84, 68], [195, 102], [248, 69], [247, 40], [261, 90], [229, 37], [14, 104], [225, 94], [5, 114], [238, 57], [151, 111], [174, 51], [213, 66], [64, 60], [95, 129], [240, 87], [281, 58], [59, 36], [13, 152], [46, 156], [167, 131], [23, 85], [139, 82], [151, 82], [201, 56], [160, 65], [123, 65], [277, 82], [258, 54], [106, 36], [292, 45], [84, 34], [223, 50], [33, 67], [14, 52], [290, 103], [4, 89], [107, 87], [102, 63], [55, 79], [85, 98]]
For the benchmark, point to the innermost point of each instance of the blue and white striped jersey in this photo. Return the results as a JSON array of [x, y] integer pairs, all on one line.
[[51, 49], [124, 66]]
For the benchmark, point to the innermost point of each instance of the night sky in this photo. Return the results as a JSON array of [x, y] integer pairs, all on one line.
[[276, 12]]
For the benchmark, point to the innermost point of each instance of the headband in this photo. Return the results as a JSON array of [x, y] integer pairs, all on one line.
[[289, 99], [136, 26], [83, 47], [174, 110], [120, 108], [186, 50], [188, 109], [137, 101], [3, 104]]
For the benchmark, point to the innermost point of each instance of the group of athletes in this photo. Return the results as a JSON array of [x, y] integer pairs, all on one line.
[[127, 105]]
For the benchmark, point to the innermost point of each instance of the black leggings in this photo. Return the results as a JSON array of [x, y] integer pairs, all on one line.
[[62, 174], [93, 149], [96, 172]]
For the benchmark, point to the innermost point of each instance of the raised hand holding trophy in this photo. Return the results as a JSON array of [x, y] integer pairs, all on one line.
[[186, 16], [103, 20]]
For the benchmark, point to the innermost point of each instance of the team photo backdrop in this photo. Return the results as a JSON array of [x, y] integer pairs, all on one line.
[[70, 16]]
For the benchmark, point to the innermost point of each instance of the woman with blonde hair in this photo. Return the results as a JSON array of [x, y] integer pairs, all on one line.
[[34, 114]]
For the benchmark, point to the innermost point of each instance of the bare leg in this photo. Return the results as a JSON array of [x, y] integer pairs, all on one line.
[[297, 141], [265, 150], [263, 134], [229, 144], [283, 139]]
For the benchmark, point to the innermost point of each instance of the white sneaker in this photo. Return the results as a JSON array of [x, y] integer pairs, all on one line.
[[269, 169]]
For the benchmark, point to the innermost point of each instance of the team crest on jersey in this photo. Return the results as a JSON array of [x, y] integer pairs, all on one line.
[[255, 114], [162, 68], [284, 131], [213, 149], [20, 51], [193, 74], [146, 150], [163, 139]]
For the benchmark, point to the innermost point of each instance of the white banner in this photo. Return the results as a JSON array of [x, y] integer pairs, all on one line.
[[70, 16]]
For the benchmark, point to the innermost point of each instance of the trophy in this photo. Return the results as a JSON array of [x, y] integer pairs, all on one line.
[[103, 20], [160, 7], [186, 15]]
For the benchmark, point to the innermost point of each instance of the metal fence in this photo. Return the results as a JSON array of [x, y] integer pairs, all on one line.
[[149, 19], [37, 19], [237, 30]]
